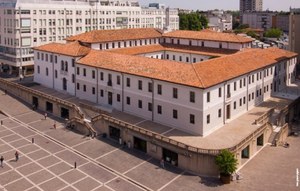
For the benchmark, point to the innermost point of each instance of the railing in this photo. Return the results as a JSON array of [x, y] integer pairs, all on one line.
[[281, 131], [262, 118], [86, 124]]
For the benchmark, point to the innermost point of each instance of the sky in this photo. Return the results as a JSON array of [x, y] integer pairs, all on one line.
[[272, 5]]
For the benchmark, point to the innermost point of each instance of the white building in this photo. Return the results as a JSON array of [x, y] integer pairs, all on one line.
[[219, 21], [25, 24], [197, 97]]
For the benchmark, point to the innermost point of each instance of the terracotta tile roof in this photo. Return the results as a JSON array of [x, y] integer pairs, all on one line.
[[214, 71], [202, 75], [69, 49], [209, 36], [175, 48], [141, 66], [97, 36]]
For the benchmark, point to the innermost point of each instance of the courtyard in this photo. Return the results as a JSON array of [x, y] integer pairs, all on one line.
[[48, 157]]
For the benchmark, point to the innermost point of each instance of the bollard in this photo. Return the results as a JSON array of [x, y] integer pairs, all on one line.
[[1, 122], [32, 140], [75, 165]]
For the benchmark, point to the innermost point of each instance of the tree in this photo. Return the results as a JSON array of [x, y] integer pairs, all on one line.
[[273, 33], [226, 162], [183, 21], [192, 21]]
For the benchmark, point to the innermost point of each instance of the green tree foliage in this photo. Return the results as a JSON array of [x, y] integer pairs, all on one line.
[[192, 21], [273, 33], [226, 162]]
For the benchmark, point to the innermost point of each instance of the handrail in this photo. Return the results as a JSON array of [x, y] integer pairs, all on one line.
[[264, 116], [89, 127]]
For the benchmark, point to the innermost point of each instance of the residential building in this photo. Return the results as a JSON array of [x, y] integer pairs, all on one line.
[[219, 20], [251, 5], [281, 21], [294, 41], [258, 20], [25, 24], [115, 74]]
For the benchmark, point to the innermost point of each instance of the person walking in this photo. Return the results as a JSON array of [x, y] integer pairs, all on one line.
[[54, 125], [1, 161], [162, 163], [45, 115], [17, 156]]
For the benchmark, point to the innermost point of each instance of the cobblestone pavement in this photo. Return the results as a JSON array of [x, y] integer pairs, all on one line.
[[102, 164]]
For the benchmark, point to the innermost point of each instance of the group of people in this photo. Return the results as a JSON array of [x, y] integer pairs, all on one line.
[[2, 158]]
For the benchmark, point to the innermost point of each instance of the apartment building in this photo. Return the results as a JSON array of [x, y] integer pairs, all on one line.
[[192, 81], [259, 20], [294, 32], [251, 5], [25, 24]]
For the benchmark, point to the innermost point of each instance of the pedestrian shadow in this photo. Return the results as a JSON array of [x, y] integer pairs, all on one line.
[[12, 160]]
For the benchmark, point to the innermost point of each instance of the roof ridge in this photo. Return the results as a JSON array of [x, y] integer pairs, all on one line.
[[198, 76]]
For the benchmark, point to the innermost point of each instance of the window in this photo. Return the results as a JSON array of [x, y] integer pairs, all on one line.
[[51, 58], [192, 97], [244, 100], [241, 83], [159, 89], [234, 86], [220, 92], [128, 100], [149, 87], [118, 97], [101, 93], [84, 88], [140, 85], [78, 86], [208, 97], [194, 60], [118, 80], [175, 93], [219, 113], [241, 102], [187, 59], [208, 119], [149, 106], [84, 72], [73, 78], [78, 71], [192, 119], [93, 91], [159, 109], [101, 76], [128, 82], [55, 59], [234, 105], [73, 62], [140, 104], [93, 74], [55, 73], [175, 114], [47, 72], [38, 55]]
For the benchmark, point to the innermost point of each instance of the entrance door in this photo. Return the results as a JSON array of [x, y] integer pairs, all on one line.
[[64, 113], [140, 144], [64, 84], [228, 112], [170, 157], [114, 133], [49, 107], [110, 98], [35, 101]]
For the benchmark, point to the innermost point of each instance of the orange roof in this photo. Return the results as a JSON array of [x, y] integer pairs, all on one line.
[[70, 49], [202, 75], [214, 71], [97, 36], [209, 36], [175, 48]]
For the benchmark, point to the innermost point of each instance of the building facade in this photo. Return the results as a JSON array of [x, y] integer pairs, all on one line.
[[259, 20], [251, 5], [196, 97], [26, 24], [220, 21], [294, 41]]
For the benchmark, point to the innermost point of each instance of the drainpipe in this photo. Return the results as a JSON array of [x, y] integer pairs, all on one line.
[[122, 92], [152, 99], [97, 86]]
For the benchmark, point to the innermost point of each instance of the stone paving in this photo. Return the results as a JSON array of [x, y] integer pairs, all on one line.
[[102, 164]]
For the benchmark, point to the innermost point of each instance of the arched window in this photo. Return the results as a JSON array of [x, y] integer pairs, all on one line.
[[66, 66], [62, 67]]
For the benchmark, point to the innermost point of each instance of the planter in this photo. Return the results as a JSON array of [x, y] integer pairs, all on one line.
[[225, 178]]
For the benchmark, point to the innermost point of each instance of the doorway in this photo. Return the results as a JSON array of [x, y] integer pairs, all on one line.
[[64, 113], [260, 140], [246, 153], [35, 101], [49, 107], [228, 111], [170, 157], [64, 84], [140, 144], [110, 98], [114, 133]]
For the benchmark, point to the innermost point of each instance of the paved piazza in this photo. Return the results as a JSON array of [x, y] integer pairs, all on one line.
[[103, 165]]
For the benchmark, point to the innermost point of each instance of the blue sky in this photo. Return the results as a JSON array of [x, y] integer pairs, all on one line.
[[279, 5]]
